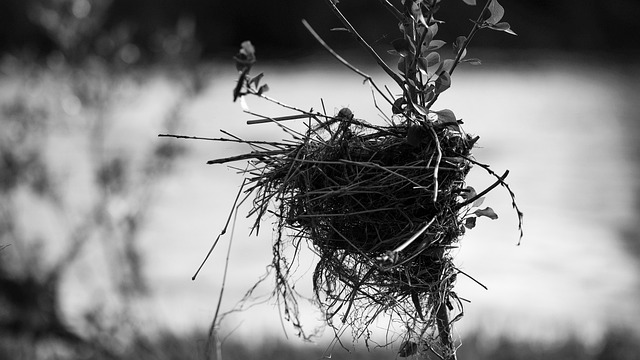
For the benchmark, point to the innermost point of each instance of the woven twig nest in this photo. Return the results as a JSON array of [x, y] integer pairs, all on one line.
[[381, 206]]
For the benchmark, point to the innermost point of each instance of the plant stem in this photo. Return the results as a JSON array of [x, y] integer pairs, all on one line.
[[444, 328], [472, 33], [465, 44]]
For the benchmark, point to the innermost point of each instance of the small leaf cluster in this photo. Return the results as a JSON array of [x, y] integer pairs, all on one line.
[[245, 59], [475, 212], [426, 74]]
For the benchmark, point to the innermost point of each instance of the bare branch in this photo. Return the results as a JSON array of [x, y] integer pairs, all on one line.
[[392, 9], [343, 61], [365, 44]]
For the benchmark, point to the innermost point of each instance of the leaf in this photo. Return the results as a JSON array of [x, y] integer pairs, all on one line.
[[431, 33], [457, 45], [429, 93], [416, 12], [246, 57], [478, 202], [403, 46], [247, 48], [435, 44], [470, 222], [446, 116], [420, 109], [433, 58], [339, 29], [469, 193], [488, 212], [464, 53], [503, 26], [434, 68], [263, 89], [470, 2], [397, 105], [255, 81], [447, 65], [433, 30], [423, 65], [497, 12], [473, 61]]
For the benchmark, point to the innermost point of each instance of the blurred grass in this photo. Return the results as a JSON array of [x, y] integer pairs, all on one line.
[[617, 344]]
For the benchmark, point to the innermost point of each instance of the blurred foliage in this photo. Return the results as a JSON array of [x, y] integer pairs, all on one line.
[[132, 31], [63, 208]]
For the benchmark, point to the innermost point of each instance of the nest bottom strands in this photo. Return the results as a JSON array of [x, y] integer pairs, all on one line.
[[381, 207]]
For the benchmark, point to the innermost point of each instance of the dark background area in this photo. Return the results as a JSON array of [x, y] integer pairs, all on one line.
[[217, 26]]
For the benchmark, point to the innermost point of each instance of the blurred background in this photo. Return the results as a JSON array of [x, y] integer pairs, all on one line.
[[102, 223]]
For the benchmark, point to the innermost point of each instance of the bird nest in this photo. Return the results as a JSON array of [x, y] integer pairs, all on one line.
[[380, 205]]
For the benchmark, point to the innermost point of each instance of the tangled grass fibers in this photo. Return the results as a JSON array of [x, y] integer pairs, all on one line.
[[381, 206]]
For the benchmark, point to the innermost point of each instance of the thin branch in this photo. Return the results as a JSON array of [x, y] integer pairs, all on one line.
[[414, 237], [392, 9], [474, 30], [472, 278], [277, 102], [506, 186], [437, 167], [279, 118], [365, 44], [463, 47], [224, 230], [485, 191], [251, 155], [189, 137], [215, 322], [343, 61]]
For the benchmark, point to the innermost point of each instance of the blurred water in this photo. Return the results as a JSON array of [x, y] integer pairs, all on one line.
[[559, 129]]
